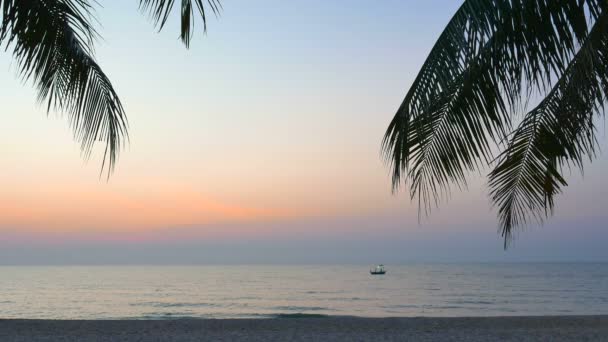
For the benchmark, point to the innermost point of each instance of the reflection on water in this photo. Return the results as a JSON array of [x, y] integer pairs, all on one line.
[[270, 291]]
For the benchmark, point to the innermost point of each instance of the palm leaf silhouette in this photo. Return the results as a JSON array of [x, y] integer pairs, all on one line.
[[53, 44], [160, 10], [462, 105]]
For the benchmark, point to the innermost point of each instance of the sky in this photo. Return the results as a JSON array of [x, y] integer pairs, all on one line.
[[260, 143]]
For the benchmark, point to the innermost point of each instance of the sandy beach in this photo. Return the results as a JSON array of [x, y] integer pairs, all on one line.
[[547, 328]]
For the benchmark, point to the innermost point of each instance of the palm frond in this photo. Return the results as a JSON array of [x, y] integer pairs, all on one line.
[[52, 42], [160, 10], [462, 101], [559, 132]]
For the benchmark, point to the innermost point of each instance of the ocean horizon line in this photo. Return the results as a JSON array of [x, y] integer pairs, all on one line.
[[329, 263]]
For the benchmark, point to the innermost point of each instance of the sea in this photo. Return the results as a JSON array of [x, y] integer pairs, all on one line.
[[264, 291]]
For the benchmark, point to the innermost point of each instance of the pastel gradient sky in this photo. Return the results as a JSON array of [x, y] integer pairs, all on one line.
[[263, 137]]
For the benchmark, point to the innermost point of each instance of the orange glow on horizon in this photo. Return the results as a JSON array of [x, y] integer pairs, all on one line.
[[113, 210]]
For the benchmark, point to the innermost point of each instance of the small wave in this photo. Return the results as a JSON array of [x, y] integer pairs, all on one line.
[[299, 315], [243, 298], [167, 315], [300, 308], [346, 299], [483, 302], [401, 306], [184, 315], [175, 305], [427, 306]]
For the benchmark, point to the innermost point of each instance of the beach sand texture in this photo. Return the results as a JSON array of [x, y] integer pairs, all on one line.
[[546, 328]]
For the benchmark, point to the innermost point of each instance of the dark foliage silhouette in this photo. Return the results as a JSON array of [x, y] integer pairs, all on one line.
[[52, 42], [470, 98]]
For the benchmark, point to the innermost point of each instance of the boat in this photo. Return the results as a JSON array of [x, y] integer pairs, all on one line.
[[377, 270]]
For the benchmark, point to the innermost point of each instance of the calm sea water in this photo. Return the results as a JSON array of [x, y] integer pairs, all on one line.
[[146, 292]]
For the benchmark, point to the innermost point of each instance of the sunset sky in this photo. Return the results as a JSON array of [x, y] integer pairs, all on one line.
[[265, 132]]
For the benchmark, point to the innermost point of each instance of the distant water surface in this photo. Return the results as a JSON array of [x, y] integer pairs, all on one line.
[[152, 292]]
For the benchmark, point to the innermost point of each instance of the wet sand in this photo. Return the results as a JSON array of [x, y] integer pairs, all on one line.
[[545, 328]]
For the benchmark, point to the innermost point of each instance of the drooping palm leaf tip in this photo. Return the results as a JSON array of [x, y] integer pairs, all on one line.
[[52, 42], [467, 100], [159, 11]]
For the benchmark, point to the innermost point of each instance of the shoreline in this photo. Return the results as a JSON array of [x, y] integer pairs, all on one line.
[[329, 328]]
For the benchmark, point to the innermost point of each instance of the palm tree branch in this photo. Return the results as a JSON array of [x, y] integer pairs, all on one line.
[[559, 132], [52, 41], [160, 10], [463, 98]]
